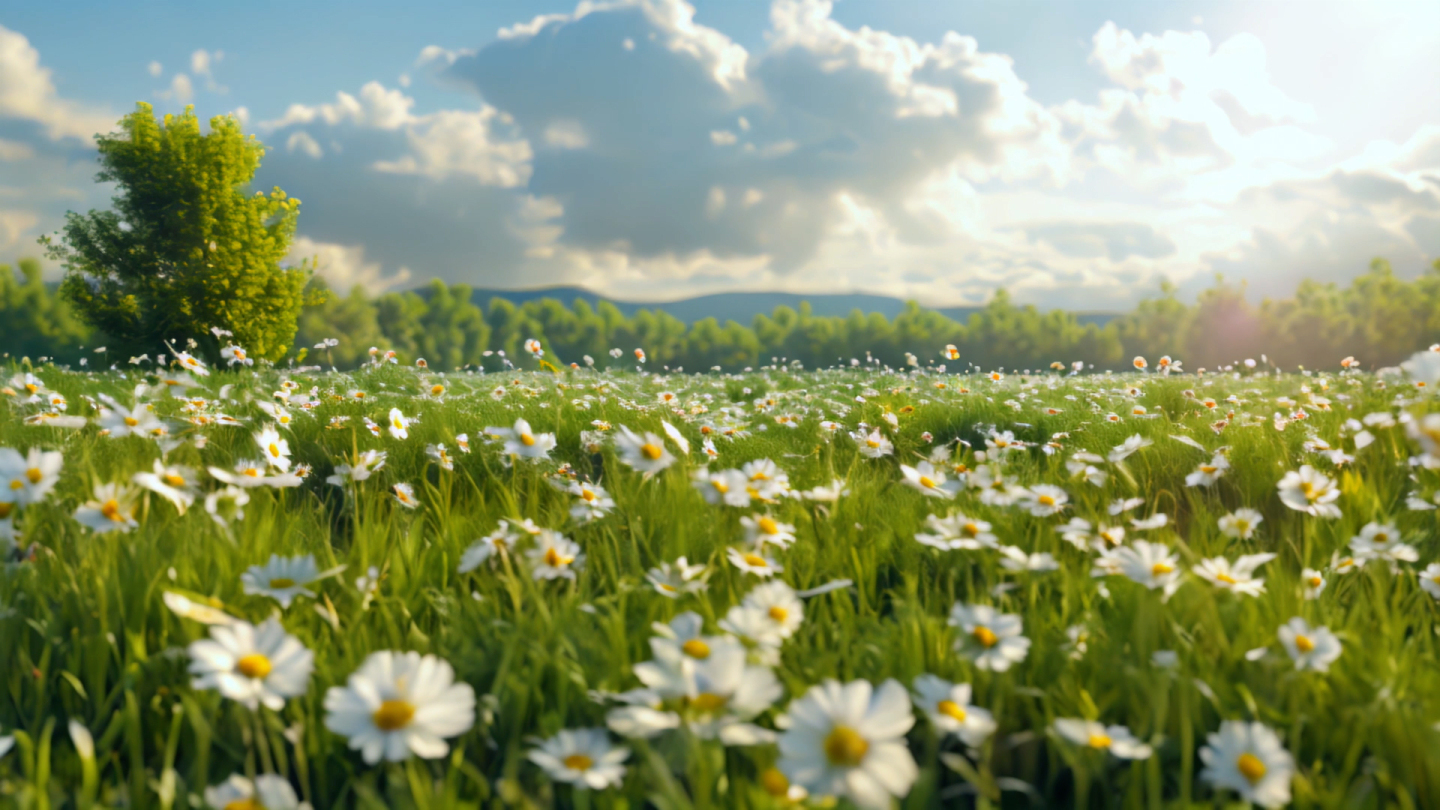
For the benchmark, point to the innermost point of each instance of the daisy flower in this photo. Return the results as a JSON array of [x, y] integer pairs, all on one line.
[[1248, 759], [592, 503], [1311, 491], [675, 579], [275, 449], [491, 545], [762, 530], [1241, 523], [728, 487], [252, 665], [644, 453], [397, 704], [582, 757], [1237, 577], [29, 478], [1207, 474], [1116, 739], [555, 556], [753, 562], [872, 444], [405, 494], [1309, 647], [399, 426], [947, 705], [848, 740], [523, 442], [1017, 560], [1382, 542], [929, 480], [779, 605], [173, 483], [267, 792], [1151, 564], [1046, 500], [989, 638], [1313, 582], [284, 578], [112, 509]]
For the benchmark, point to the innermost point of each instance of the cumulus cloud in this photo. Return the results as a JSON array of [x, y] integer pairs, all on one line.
[[300, 141], [344, 267], [28, 94], [1116, 240]]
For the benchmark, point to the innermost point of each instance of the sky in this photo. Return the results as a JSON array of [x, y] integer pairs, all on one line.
[[1076, 154]]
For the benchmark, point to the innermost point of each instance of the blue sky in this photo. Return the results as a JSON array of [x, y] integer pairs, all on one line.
[[1075, 153]]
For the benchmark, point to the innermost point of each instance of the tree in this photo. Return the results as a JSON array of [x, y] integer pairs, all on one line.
[[185, 248], [34, 322]]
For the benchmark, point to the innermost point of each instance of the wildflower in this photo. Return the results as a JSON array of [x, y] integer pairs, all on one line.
[[929, 480], [1311, 491], [492, 544], [1046, 500], [397, 704], [1207, 474], [1151, 564], [173, 483], [437, 453], [1309, 647], [957, 531], [555, 556], [227, 505], [1237, 577], [405, 494], [872, 444], [252, 665], [112, 509], [677, 578], [644, 453], [1248, 759], [399, 424], [762, 530], [593, 502], [947, 705], [753, 562], [275, 449], [989, 638], [1430, 579], [1313, 582], [267, 792], [779, 605], [284, 578], [29, 478], [522, 441], [1116, 739], [1241, 523], [364, 465], [849, 740], [1127, 448], [728, 487], [1382, 542], [117, 421], [1016, 560], [582, 757]]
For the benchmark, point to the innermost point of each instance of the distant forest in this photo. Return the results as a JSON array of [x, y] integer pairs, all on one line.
[[1379, 319]]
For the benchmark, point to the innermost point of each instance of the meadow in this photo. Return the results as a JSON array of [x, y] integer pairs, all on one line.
[[248, 586]]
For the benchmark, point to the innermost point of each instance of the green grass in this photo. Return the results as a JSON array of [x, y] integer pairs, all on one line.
[[85, 635]]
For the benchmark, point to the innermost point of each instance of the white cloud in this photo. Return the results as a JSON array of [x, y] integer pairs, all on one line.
[[14, 150], [181, 89], [455, 142], [566, 135], [722, 137], [28, 94], [14, 227], [301, 141], [345, 266], [155, 69], [376, 107]]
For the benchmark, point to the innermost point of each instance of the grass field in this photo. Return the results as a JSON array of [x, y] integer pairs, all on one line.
[[1022, 559]]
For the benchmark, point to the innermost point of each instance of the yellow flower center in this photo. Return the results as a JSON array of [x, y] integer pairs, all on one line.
[[1208, 469], [527, 439], [778, 613], [650, 451], [775, 782], [174, 480], [927, 482], [587, 494], [709, 702], [554, 558], [282, 582], [111, 510], [247, 803], [34, 475], [254, 665], [767, 525], [578, 762], [1250, 767], [756, 560], [1046, 500], [951, 709], [971, 530], [131, 421], [1316, 582], [1304, 644], [1160, 569], [845, 748], [5, 509], [1099, 741], [1225, 578], [437, 390], [985, 637], [872, 443], [720, 486], [17, 484], [275, 450], [695, 648], [393, 715]]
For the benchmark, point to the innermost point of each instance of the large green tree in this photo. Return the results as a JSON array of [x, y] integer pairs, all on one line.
[[186, 247]]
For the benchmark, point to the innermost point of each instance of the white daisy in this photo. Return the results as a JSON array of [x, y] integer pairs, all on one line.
[[29, 478], [284, 578], [1116, 739], [555, 556], [582, 757], [1309, 647], [174, 483], [252, 665], [929, 480], [947, 705], [275, 449], [849, 740], [1249, 759], [267, 792], [397, 703], [1237, 577], [753, 562], [112, 509], [645, 453], [1241, 523], [989, 638], [1310, 491]]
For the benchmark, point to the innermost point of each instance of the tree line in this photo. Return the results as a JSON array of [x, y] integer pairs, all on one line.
[[1379, 318]]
